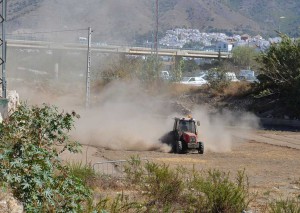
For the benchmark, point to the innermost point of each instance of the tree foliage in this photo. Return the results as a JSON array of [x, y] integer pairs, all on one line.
[[31, 140], [121, 68], [190, 65], [178, 69], [280, 68], [217, 79], [244, 56]]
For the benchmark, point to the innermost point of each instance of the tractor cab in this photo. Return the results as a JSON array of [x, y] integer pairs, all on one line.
[[185, 125]]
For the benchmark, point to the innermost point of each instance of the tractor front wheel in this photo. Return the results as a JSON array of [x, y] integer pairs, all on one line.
[[179, 147], [201, 148]]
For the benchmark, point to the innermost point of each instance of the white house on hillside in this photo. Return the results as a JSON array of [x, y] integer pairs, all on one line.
[[224, 46]]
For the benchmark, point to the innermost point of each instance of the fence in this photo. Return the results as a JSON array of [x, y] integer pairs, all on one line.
[[115, 168]]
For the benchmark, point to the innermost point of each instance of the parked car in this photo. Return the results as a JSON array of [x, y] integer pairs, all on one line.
[[165, 75], [231, 76], [194, 81], [248, 75]]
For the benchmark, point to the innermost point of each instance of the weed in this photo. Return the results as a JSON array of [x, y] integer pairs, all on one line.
[[180, 190], [85, 172], [134, 170], [285, 206], [238, 89], [264, 93], [267, 193], [121, 203], [216, 193], [163, 184]]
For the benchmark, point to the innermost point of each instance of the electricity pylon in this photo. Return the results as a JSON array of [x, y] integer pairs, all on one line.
[[3, 45]]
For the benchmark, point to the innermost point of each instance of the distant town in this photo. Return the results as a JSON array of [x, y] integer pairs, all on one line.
[[181, 38]]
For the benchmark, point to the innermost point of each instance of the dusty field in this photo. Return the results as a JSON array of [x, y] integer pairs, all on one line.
[[271, 160]]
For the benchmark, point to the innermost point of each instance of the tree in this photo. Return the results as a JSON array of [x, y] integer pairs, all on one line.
[[121, 68], [31, 140], [190, 65], [177, 71], [280, 68], [151, 67], [244, 56]]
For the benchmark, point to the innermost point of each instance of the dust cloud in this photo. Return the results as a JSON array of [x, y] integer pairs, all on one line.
[[217, 130], [125, 118]]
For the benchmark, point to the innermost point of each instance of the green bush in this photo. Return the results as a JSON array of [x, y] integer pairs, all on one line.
[[162, 184], [31, 140], [217, 193], [84, 172], [134, 170], [285, 206], [120, 203], [217, 79], [280, 72], [171, 190]]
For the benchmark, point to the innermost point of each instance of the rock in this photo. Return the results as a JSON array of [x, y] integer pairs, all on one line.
[[249, 211], [8, 204], [13, 101]]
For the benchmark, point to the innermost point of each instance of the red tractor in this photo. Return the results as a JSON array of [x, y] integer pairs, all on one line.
[[184, 136]]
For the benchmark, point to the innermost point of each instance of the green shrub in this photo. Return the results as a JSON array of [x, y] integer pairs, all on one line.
[[217, 193], [171, 190], [285, 206], [134, 170], [86, 173], [280, 72], [162, 184], [120, 203], [217, 79], [31, 140]]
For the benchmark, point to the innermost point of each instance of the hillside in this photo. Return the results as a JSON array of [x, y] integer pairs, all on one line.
[[127, 20]]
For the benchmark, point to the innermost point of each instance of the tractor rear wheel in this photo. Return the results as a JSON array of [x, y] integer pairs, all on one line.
[[201, 148]]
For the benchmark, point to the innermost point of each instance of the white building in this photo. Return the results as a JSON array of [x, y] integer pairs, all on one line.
[[224, 46]]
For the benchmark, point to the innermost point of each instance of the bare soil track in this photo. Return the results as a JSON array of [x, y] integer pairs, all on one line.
[[271, 160]]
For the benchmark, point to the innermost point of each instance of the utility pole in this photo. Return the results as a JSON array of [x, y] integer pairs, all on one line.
[[156, 37], [156, 28], [3, 43], [280, 18], [88, 86]]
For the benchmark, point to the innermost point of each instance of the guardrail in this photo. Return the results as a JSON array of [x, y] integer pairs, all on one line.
[[280, 123], [108, 48]]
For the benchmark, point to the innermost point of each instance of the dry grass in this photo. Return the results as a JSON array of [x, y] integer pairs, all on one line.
[[176, 89], [237, 89]]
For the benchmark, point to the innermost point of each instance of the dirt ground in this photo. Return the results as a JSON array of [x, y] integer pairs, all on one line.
[[271, 160]]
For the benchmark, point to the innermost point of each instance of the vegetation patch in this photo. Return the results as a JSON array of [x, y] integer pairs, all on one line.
[[30, 142]]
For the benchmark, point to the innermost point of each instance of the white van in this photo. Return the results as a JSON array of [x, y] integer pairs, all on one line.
[[231, 76], [194, 81], [165, 75], [248, 75]]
